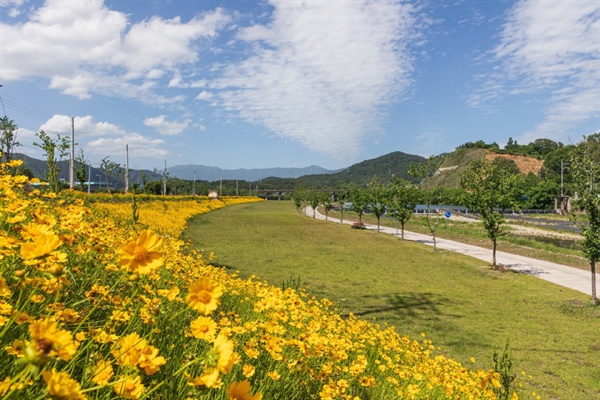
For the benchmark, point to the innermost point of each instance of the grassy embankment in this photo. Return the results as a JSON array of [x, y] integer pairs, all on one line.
[[460, 303]]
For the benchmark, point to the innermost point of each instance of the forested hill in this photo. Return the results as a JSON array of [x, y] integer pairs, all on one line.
[[395, 163]]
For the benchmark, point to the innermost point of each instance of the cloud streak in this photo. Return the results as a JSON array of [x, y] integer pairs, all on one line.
[[321, 73], [552, 48]]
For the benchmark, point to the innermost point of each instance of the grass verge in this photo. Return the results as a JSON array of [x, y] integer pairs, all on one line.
[[461, 305]]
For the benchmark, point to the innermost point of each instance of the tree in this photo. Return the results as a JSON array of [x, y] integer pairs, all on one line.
[[542, 147], [379, 196], [403, 200], [585, 164], [431, 196], [341, 196], [8, 138], [327, 203], [508, 165], [420, 172], [80, 172], [360, 200], [108, 168], [314, 199], [490, 191], [299, 197], [51, 147]]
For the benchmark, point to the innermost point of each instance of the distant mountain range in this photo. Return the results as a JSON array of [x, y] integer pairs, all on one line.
[[395, 163], [211, 174]]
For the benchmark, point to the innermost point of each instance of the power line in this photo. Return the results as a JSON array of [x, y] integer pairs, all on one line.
[[2, 101], [28, 108]]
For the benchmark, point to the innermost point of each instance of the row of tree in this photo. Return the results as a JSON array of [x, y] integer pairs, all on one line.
[[488, 189]]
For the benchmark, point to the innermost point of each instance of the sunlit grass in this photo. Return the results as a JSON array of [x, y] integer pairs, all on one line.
[[460, 303]]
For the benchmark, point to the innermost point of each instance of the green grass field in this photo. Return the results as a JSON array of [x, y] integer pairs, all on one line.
[[458, 302]]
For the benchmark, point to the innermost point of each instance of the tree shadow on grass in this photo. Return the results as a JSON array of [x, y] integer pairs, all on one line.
[[410, 305]]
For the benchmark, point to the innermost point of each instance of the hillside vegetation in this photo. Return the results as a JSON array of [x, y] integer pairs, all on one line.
[[360, 174], [455, 163]]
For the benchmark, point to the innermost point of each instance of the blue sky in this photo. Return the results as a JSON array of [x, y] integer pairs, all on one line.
[[257, 84]]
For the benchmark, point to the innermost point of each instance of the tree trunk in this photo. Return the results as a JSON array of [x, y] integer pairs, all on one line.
[[434, 244], [378, 224], [593, 267], [494, 254], [402, 231]]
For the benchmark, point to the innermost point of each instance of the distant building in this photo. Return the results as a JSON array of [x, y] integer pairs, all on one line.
[[213, 194]]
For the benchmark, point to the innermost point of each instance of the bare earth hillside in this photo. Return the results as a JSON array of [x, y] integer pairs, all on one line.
[[526, 164]]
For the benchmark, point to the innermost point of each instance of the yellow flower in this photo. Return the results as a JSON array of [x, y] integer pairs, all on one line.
[[4, 290], [248, 370], [221, 355], [204, 296], [241, 391], [120, 316], [41, 246], [274, 375], [60, 385], [141, 256], [169, 294], [102, 373], [150, 361], [413, 389], [204, 328], [130, 388], [134, 351], [32, 230], [210, 378], [49, 341], [368, 381], [37, 298]]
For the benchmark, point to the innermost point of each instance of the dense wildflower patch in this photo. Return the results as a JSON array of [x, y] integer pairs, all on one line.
[[99, 302]]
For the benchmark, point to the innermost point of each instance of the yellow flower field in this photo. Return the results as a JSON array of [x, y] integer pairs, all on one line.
[[101, 299]]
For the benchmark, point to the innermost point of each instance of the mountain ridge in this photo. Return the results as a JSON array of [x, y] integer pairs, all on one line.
[[211, 174]]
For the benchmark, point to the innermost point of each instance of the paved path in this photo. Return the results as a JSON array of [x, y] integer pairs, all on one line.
[[563, 275]]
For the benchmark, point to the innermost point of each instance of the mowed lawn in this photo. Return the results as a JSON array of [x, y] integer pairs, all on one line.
[[462, 305]]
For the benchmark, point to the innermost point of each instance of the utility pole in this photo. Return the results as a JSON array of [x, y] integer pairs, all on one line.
[[561, 178], [72, 161], [221, 188], [194, 184], [165, 179], [126, 168], [237, 188], [89, 178]]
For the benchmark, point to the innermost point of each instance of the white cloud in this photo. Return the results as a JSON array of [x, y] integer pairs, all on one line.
[[84, 127], [322, 73], [139, 146], [165, 127], [550, 47], [85, 47], [14, 5], [204, 95], [110, 139]]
